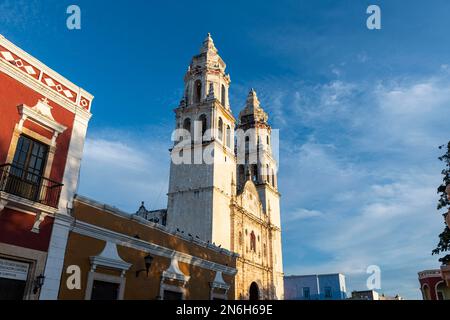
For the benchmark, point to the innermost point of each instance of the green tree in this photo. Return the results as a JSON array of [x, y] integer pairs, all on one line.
[[444, 203]]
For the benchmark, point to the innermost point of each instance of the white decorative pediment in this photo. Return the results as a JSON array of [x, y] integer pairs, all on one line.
[[174, 272], [42, 114], [249, 198], [109, 258], [43, 108], [219, 283]]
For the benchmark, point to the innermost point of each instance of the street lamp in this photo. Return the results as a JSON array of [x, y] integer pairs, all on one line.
[[39, 282], [148, 259]]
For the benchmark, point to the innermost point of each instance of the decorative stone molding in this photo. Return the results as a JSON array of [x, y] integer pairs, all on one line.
[[23, 204], [40, 216], [219, 283], [32, 72], [174, 272], [219, 288], [430, 273], [42, 114], [3, 204], [173, 279], [109, 258]]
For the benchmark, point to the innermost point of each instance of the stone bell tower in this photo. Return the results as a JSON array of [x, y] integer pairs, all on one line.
[[203, 166], [255, 162], [255, 157]]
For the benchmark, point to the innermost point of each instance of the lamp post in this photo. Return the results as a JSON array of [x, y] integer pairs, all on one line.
[[148, 259]]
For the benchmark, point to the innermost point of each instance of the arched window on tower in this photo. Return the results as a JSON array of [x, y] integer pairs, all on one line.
[[252, 242], [223, 96], [247, 144], [186, 94], [220, 129], [204, 124], [273, 179], [241, 175], [254, 173], [197, 91], [267, 174], [187, 127], [268, 140], [228, 133]]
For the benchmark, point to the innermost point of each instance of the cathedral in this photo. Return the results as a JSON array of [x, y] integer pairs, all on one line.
[[223, 184]]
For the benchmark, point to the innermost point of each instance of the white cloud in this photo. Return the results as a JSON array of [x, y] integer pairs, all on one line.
[[302, 214], [368, 162], [362, 57], [125, 171]]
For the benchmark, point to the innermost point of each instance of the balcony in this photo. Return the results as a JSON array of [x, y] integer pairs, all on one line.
[[29, 186]]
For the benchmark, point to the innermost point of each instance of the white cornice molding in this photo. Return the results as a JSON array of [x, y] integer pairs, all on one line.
[[41, 113], [174, 272], [27, 204], [430, 274], [38, 64], [109, 258], [42, 79], [219, 283], [32, 83], [99, 233]]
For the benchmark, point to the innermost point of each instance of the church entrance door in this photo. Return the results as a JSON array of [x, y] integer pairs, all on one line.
[[254, 291]]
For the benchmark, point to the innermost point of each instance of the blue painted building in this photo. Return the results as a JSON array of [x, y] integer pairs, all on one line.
[[315, 287]]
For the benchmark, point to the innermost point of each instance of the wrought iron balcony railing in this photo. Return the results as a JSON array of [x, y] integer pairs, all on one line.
[[16, 181]]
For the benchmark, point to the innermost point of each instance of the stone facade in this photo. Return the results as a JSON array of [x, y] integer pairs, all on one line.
[[224, 193]]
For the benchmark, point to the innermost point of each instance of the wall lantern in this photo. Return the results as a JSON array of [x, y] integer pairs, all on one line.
[[148, 259], [38, 283]]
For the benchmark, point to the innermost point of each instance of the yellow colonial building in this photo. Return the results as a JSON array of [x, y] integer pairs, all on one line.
[[112, 255]]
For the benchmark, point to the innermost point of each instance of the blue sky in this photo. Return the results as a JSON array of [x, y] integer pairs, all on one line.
[[361, 113]]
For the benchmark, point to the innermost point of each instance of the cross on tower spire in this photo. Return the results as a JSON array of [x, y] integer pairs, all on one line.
[[208, 44]]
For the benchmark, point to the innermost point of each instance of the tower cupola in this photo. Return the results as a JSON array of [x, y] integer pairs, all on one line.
[[206, 77]]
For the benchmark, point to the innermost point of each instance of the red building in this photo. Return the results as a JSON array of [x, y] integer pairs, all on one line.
[[433, 284], [43, 123]]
